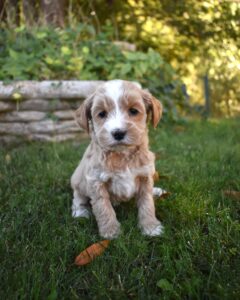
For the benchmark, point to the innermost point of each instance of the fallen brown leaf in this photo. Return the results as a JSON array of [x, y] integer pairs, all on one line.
[[232, 194], [90, 253]]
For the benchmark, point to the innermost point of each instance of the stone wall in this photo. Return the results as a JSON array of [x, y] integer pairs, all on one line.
[[41, 111]]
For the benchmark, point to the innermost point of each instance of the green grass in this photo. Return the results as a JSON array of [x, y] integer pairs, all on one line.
[[196, 258]]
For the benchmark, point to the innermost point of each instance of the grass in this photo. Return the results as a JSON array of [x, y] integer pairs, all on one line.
[[196, 258]]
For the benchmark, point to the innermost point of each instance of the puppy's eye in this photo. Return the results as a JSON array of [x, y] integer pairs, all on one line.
[[102, 114], [133, 111]]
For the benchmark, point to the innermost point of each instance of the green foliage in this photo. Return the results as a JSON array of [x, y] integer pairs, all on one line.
[[197, 38], [197, 257], [78, 54]]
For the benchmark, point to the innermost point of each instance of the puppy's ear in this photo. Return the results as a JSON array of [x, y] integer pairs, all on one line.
[[83, 113], [153, 106]]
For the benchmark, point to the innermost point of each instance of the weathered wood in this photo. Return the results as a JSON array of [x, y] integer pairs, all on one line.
[[14, 129], [6, 106], [48, 89], [22, 116], [29, 116], [48, 105], [50, 126], [42, 111], [10, 140], [41, 127], [39, 105], [64, 114], [52, 138]]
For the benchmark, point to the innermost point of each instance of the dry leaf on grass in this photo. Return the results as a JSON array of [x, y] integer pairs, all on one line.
[[90, 253], [232, 194]]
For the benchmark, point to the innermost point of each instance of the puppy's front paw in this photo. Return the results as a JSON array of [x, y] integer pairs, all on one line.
[[152, 229], [111, 231]]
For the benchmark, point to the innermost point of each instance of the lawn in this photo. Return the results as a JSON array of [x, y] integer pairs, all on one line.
[[197, 257]]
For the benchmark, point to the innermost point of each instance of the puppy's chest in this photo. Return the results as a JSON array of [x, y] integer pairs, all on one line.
[[123, 184]]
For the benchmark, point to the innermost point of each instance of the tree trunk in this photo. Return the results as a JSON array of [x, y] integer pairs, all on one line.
[[53, 12], [12, 12], [30, 11]]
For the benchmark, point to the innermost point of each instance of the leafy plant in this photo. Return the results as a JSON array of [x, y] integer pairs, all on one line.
[[47, 53]]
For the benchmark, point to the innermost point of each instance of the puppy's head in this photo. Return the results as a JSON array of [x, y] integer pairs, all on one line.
[[117, 114]]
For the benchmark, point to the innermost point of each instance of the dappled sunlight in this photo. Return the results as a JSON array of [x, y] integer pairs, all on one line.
[[199, 39]]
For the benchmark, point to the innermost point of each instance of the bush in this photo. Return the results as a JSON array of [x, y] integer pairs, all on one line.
[[46, 53]]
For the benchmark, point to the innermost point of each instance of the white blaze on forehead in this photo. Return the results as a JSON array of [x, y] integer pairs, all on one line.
[[114, 90]]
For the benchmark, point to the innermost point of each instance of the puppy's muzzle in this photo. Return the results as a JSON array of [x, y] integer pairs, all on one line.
[[119, 134]]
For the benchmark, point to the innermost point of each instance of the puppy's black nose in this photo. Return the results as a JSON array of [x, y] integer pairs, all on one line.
[[119, 134]]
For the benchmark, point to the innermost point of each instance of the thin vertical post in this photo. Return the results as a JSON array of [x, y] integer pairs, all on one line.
[[207, 95]]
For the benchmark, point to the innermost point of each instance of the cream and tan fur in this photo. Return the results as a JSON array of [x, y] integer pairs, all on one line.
[[117, 164]]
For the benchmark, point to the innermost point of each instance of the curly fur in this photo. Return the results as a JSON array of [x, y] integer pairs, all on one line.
[[115, 170]]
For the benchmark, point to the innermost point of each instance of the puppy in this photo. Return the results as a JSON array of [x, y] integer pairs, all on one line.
[[117, 164]]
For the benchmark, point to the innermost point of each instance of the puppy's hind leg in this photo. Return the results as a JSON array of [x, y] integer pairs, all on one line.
[[80, 205]]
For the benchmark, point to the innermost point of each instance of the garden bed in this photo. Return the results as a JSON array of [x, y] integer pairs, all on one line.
[[44, 111]]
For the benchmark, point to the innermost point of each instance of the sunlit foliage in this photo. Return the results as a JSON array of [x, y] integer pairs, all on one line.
[[198, 38]]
